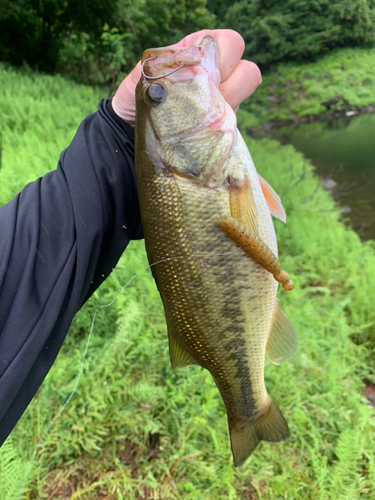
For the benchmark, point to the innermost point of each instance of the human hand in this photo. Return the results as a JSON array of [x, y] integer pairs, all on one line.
[[239, 78]]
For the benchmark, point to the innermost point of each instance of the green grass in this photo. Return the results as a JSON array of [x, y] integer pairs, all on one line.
[[292, 91], [129, 398], [39, 115]]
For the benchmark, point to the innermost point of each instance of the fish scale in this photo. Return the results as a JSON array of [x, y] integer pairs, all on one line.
[[219, 303]]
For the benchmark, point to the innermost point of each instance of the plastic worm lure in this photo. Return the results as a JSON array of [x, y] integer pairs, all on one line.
[[257, 249]]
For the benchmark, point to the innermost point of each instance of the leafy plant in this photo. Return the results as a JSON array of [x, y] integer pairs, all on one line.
[[32, 31], [96, 61], [280, 30]]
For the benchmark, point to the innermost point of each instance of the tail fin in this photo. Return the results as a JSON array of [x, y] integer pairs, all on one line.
[[271, 426]]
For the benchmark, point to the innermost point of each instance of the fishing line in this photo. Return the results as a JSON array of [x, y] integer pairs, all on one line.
[[41, 439]]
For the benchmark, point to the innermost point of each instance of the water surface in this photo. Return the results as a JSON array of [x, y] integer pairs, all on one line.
[[344, 152]]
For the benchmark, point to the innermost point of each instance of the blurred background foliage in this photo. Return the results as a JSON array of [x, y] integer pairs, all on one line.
[[98, 41], [279, 30]]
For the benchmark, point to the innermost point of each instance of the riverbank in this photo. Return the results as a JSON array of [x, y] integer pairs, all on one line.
[[344, 111], [342, 151], [334, 91], [341, 82]]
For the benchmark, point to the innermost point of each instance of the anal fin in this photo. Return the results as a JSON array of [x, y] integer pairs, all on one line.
[[270, 426], [282, 342], [179, 357]]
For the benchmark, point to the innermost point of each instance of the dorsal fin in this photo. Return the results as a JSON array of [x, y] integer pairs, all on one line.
[[272, 199], [282, 342]]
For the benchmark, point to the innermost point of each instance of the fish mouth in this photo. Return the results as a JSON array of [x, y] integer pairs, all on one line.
[[180, 63]]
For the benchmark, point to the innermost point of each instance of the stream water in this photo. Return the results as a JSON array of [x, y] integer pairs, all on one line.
[[343, 153]]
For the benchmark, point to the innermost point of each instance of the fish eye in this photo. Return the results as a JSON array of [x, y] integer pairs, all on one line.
[[156, 92]]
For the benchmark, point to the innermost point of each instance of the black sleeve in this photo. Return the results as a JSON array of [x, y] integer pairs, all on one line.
[[59, 240]]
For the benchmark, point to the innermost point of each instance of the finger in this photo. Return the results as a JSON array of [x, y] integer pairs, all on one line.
[[190, 39], [243, 81], [230, 46]]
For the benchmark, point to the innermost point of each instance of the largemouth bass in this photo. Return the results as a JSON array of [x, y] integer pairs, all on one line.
[[206, 220]]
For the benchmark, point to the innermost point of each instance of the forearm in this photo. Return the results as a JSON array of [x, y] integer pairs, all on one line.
[[60, 238]]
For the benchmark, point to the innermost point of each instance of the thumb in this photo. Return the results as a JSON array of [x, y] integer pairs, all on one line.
[[123, 102]]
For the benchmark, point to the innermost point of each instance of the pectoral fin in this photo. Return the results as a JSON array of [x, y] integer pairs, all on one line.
[[282, 342], [179, 357], [242, 205], [272, 199]]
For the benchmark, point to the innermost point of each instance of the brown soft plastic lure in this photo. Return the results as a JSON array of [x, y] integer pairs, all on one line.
[[257, 249]]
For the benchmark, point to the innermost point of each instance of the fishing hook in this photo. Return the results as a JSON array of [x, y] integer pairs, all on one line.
[[162, 76], [158, 77]]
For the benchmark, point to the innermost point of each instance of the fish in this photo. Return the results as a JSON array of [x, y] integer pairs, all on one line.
[[210, 239]]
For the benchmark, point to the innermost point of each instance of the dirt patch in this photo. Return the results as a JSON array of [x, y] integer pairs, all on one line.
[[369, 393]]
